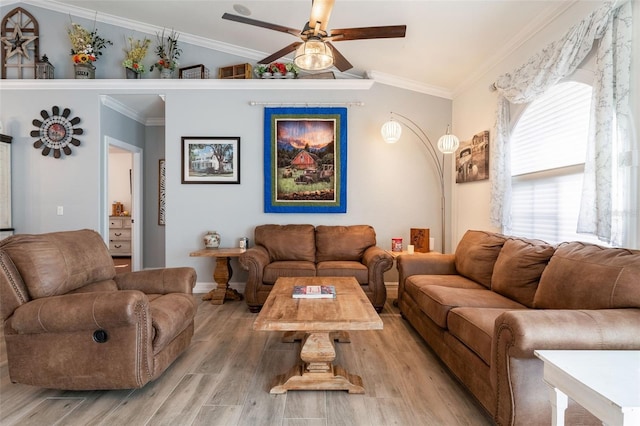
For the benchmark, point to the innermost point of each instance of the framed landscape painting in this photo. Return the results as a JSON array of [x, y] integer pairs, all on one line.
[[210, 159], [305, 160]]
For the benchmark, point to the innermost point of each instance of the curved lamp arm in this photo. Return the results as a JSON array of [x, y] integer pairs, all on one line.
[[450, 145]]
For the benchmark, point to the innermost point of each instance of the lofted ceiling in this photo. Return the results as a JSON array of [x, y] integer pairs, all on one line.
[[448, 43]]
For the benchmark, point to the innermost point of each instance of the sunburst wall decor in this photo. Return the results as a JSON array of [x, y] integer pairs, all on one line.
[[56, 132]]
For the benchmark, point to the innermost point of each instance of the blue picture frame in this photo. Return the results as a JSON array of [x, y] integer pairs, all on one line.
[[305, 160]]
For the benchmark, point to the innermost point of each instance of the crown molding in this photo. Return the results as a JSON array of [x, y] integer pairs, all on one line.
[[408, 84], [536, 25], [123, 109]]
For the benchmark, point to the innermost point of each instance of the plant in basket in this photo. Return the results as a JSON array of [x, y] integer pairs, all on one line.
[[135, 53], [168, 51], [86, 46]]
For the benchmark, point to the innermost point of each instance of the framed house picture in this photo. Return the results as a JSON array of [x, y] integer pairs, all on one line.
[[210, 159], [305, 160], [472, 159]]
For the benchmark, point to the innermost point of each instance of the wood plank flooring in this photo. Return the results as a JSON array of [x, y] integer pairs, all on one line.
[[225, 376]]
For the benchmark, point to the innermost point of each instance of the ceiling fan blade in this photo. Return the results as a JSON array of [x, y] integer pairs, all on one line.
[[320, 12], [262, 24], [391, 31], [339, 61], [280, 53]]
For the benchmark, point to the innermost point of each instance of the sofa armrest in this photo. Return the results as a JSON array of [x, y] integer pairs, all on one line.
[[158, 281], [516, 373], [254, 261], [377, 261], [375, 257], [81, 311], [423, 264], [518, 333]]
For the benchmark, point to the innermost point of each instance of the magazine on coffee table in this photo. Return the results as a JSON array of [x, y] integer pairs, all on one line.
[[314, 292]]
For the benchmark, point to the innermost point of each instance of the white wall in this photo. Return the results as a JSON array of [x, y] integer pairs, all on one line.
[[474, 110], [119, 179]]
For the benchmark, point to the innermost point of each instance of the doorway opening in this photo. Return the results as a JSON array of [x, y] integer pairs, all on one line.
[[124, 203]]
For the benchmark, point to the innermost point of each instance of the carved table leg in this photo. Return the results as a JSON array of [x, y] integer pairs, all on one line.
[[317, 372], [221, 275]]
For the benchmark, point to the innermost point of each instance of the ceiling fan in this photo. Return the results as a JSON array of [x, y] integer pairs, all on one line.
[[315, 50]]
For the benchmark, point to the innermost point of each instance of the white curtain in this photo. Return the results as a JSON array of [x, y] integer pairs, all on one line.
[[611, 24]]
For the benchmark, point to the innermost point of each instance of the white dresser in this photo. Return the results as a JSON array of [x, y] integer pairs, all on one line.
[[120, 235]]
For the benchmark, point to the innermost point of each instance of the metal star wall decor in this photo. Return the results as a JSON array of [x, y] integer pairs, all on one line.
[[19, 43]]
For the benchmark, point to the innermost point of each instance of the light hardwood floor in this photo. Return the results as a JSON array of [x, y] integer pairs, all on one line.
[[225, 375]]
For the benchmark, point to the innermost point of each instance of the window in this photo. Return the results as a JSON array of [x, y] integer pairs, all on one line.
[[548, 148]]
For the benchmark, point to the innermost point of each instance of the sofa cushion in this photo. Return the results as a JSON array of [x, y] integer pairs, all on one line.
[[517, 271], [291, 268], [343, 269], [59, 262], [476, 255], [287, 242], [437, 301], [343, 242], [588, 276], [474, 327], [414, 283]]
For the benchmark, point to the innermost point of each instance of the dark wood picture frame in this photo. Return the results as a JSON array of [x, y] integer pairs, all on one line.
[[210, 159]]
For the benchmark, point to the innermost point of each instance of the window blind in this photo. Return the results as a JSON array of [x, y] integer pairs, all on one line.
[[547, 164]]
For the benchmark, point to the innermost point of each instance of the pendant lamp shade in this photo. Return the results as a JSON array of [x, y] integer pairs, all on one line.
[[447, 144], [391, 131], [313, 55]]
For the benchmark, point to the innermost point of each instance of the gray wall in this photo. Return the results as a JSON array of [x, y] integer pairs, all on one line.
[[154, 234], [391, 187]]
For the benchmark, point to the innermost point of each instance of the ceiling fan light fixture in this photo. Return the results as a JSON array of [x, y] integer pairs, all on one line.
[[313, 55]]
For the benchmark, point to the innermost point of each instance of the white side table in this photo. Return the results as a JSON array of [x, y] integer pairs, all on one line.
[[607, 383]]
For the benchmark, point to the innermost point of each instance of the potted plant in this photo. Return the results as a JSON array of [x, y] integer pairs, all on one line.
[[86, 48], [278, 69], [134, 54], [260, 71], [168, 53], [292, 70]]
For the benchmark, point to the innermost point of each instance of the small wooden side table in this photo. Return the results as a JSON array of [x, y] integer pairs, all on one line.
[[605, 382], [222, 273]]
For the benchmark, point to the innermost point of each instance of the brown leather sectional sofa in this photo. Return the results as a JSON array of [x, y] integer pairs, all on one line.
[[307, 251], [486, 308]]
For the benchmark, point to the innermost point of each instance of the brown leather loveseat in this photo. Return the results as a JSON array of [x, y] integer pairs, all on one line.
[[486, 308], [308, 251], [71, 323]]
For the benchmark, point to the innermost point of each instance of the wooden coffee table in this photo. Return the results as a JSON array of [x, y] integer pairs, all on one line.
[[317, 322]]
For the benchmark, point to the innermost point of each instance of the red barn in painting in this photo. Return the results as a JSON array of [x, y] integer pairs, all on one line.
[[305, 160]]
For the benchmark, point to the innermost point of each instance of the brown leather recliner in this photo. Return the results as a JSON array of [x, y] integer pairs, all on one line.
[[308, 251], [71, 323]]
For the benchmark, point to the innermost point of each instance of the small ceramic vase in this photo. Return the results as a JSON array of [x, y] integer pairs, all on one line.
[[212, 239]]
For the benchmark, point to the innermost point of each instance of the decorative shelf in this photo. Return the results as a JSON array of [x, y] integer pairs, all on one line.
[[155, 84]]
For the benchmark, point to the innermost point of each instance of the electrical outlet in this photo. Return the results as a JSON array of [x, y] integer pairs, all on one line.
[[60, 210]]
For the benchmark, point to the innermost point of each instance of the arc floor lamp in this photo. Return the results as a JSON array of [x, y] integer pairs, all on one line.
[[447, 144]]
